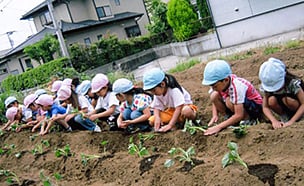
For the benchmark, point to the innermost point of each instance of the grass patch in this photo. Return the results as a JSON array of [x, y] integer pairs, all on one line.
[[292, 44], [184, 66], [271, 50], [240, 56], [112, 76]]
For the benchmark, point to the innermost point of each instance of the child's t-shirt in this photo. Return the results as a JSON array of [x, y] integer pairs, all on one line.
[[85, 103], [107, 101], [172, 99], [140, 103], [291, 89], [239, 89], [56, 109], [26, 113]]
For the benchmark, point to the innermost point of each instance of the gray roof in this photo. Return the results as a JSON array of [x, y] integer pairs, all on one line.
[[38, 9], [70, 27]]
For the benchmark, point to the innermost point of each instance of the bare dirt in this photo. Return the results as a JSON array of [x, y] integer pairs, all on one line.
[[274, 157]]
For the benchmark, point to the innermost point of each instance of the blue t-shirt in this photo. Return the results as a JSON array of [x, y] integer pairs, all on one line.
[[56, 109]]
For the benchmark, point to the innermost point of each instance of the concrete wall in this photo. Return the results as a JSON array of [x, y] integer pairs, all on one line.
[[242, 21]]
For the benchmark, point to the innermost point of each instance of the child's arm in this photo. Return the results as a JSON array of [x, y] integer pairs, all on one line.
[[173, 120], [300, 110], [144, 117], [235, 118], [6, 126], [268, 113], [106, 113], [214, 118]]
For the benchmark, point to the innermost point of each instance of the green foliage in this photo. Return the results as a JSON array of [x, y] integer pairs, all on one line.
[[157, 12], [240, 56], [3, 96], [181, 155], [240, 131], [37, 76], [7, 149], [232, 156], [11, 177], [104, 143], [191, 128], [293, 44], [39, 148], [182, 18], [113, 76], [139, 149], [204, 13], [43, 50], [86, 157], [47, 181], [271, 50], [184, 66], [65, 152]]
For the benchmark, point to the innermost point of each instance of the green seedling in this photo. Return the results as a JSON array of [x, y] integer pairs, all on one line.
[[104, 144], [7, 149], [46, 180], [232, 156], [38, 150], [85, 158], [139, 149], [2, 132], [33, 137], [65, 152], [18, 154], [181, 155], [240, 131], [144, 137], [11, 177], [192, 128]]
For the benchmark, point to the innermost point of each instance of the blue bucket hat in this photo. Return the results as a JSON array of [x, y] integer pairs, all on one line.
[[84, 87], [216, 70], [272, 75], [9, 100], [122, 85], [152, 78]]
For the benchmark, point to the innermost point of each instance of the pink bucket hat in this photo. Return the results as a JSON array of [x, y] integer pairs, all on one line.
[[56, 86], [11, 113], [98, 82], [64, 93], [67, 82], [29, 100], [45, 100]]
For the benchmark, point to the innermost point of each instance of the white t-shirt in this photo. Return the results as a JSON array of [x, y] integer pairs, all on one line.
[[107, 101], [26, 113], [172, 99], [84, 103]]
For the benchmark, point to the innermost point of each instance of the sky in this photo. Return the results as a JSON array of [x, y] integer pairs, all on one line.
[[10, 13]]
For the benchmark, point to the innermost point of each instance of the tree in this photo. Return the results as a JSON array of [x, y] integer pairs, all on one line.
[[43, 50], [182, 19], [157, 11], [204, 13]]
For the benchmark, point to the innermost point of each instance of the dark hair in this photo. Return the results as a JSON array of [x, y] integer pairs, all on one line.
[[137, 90], [74, 100], [110, 87], [75, 81], [289, 76], [172, 82]]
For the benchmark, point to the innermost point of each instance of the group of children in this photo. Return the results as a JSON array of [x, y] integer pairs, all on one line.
[[162, 104]]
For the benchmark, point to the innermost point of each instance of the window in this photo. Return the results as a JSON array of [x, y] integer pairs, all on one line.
[[3, 71], [117, 2], [15, 72], [103, 11], [45, 19], [99, 37], [133, 31], [28, 63], [87, 41]]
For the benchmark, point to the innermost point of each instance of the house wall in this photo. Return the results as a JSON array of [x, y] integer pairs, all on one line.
[[82, 10], [113, 28], [255, 19], [61, 13]]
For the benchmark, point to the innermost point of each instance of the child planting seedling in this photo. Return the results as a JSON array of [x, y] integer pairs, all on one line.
[[181, 155], [232, 156]]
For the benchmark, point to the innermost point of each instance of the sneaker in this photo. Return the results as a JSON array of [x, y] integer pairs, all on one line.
[[248, 122], [69, 129], [97, 129]]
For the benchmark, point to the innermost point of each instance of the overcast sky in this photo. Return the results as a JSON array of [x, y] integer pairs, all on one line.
[[10, 13]]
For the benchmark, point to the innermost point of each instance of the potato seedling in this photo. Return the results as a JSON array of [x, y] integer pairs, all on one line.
[[104, 144], [1, 132], [11, 177], [240, 131], [144, 137], [192, 128], [232, 156], [46, 181], [7, 149], [38, 150], [181, 155], [86, 157], [139, 149], [65, 152]]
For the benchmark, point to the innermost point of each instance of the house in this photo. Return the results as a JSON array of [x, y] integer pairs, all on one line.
[[81, 21]]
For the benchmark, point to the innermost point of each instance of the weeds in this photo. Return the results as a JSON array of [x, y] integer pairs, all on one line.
[[181, 155], [184, 66], [292, 44], [191, 128], [232, 156], [271, 50]]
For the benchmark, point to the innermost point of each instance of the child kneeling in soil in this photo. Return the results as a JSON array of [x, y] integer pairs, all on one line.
[[134, 107], [55, 114], [283, 93], [232, 96], [171, 104]]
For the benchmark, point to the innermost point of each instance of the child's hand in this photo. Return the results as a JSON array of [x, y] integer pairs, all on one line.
[[277, 124], [214, 119], [157, 123], [212, 130], [165, 128], [93, 117], [125, 123]]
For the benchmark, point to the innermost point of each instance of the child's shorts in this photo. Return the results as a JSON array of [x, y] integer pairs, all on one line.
[[167, 114], [253, 109]]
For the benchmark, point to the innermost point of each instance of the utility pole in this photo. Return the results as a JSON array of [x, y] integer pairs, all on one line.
[[9, 38], [63, 47]]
